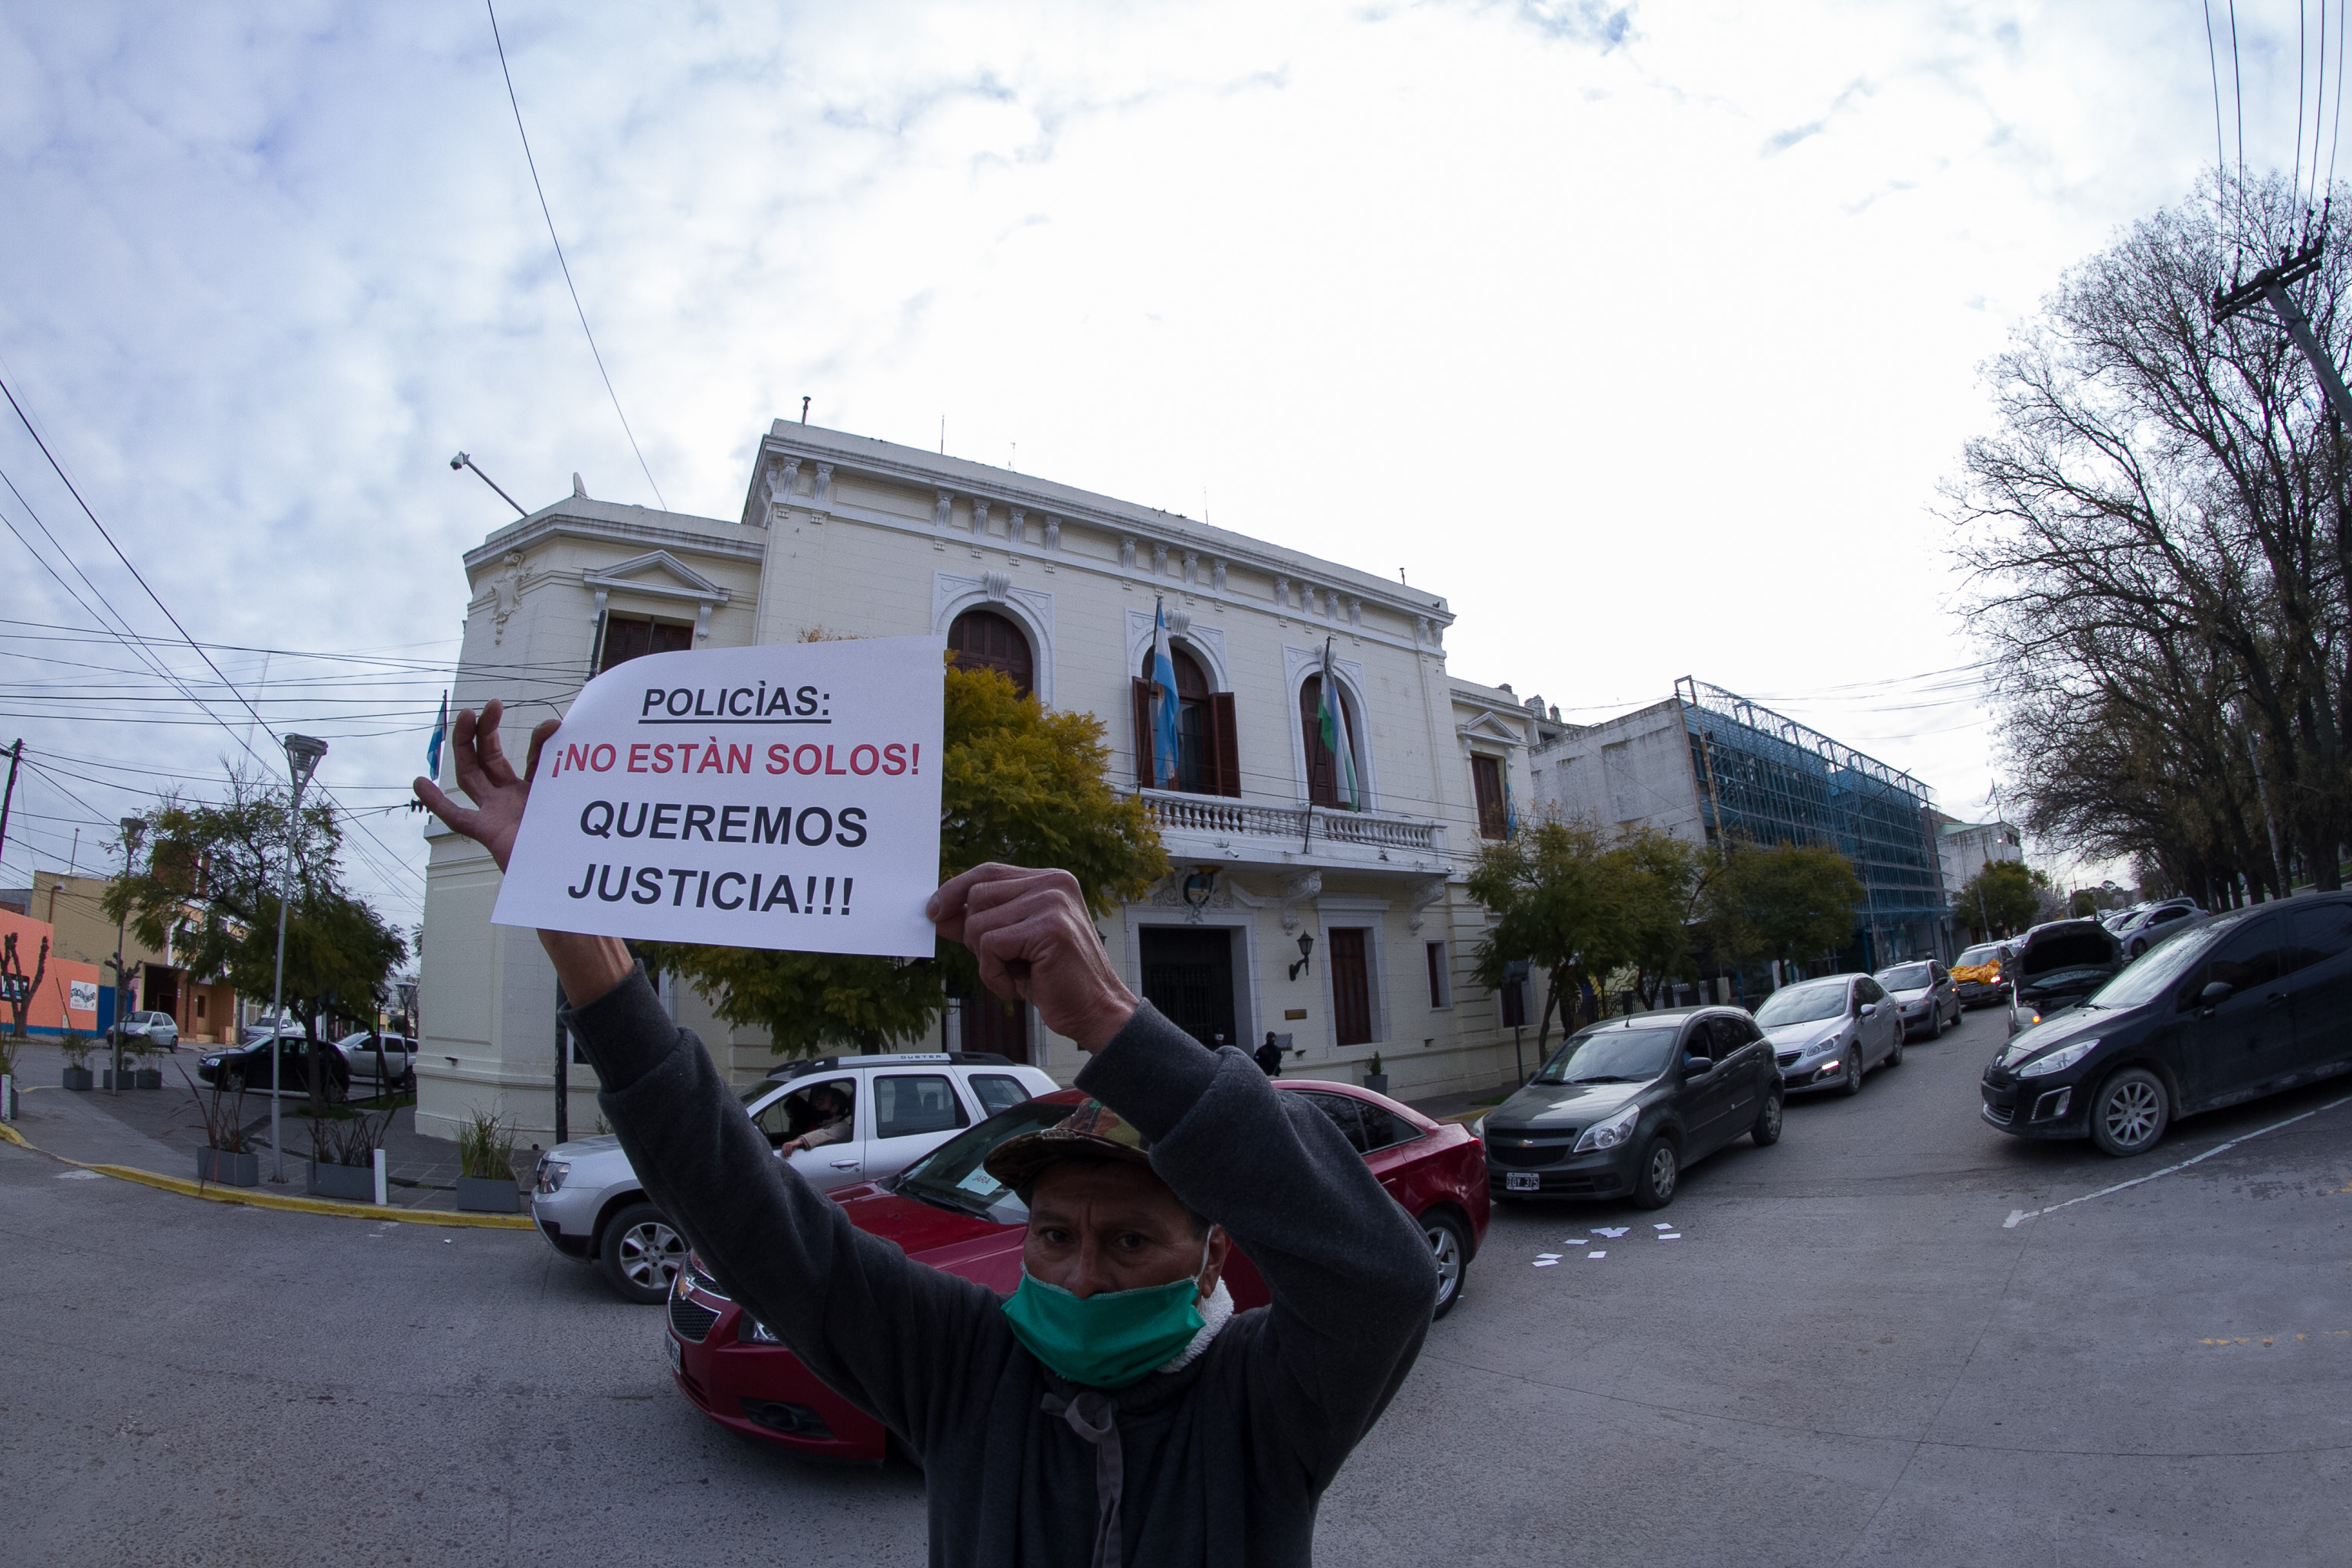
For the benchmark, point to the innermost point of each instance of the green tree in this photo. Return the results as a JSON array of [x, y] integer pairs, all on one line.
[[210, 888], [1562, 901], [2000, 898], [1664, 881], [1021, 784], [1790, 902]]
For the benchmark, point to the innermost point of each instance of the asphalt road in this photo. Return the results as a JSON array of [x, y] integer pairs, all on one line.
[[1847, 1358]]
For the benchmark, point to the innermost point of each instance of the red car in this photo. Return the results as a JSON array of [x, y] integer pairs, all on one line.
[[945, 1211]]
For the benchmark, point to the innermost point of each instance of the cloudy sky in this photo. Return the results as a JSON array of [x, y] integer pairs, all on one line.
[[1645, 334]]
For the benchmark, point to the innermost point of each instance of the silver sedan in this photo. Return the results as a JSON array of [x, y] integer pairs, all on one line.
[[1924, 993]]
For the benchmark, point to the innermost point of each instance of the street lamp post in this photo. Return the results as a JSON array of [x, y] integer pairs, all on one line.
[[302, 754], [134, 829]]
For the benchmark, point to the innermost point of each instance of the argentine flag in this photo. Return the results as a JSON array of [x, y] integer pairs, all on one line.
[[433, 746], [1163, 707], [1333, 722]]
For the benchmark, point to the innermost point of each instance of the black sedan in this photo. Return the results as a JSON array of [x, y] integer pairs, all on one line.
[[2244, 1004], [1623, 1107], [246, 1069]]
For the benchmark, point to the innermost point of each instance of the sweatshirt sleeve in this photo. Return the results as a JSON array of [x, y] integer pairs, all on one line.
[[1351, 1276], [899, 1341]]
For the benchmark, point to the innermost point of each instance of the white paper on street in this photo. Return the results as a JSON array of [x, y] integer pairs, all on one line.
[[784, 798], [1662, 1228], [1612, 1234], [1672, 1236], [1547, 1255], [1547, 1263], [1596, 1255]]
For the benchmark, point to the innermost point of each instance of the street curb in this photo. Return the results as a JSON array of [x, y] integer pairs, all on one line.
[[444, 1218]]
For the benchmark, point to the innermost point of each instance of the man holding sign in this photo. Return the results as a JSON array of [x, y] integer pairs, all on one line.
[[1115, 1411]]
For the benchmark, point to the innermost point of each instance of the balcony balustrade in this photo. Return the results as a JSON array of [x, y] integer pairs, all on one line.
[[1280, 834]]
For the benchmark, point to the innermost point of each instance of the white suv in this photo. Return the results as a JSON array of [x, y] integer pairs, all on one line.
[[590, 1207]]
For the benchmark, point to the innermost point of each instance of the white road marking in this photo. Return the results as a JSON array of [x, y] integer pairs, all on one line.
[[2019, 1216]]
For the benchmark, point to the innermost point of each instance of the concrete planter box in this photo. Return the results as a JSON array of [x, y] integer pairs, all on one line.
[[108, 1079], [149, 1077], [356, 1183], [479, 1194], [225, 1170], [1378, 1082], [78, 1078]]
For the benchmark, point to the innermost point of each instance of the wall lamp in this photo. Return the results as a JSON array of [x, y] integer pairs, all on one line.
[[1305, 951]]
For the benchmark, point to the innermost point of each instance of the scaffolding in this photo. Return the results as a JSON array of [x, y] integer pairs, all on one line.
[[1765, 777]]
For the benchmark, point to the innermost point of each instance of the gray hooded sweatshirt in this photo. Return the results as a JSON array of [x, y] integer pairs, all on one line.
[[1221, 1462]]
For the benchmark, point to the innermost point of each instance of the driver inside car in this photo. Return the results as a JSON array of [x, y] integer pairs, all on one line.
[[829, 1121]]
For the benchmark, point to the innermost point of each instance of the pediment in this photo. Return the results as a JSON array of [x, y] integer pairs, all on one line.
[[1491, 727], [659, 573]]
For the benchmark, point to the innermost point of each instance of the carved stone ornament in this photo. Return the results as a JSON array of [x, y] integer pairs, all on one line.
[[1282, 593], [1178, 623], [979, 517], [996, 586], [1159, 560], [1053, 534], [1192, 569], [506, 592], [944, 509], [1296, 891], [824, 496], [1192, 890], [1127, 554], [783, 480], [1217, 575], [1016, 527], [1355, 612], [1425, 893], [1419, 631]]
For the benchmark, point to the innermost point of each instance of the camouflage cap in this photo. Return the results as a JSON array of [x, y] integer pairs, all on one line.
[[1092, 1131]]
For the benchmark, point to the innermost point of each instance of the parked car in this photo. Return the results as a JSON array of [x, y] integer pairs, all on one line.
[[246, 1069], [1978, 975], [590, 1207], [361, 1052], [1923, 991], [2056, 966], [158, 1027], [2149, 926], [1827, 1033], [947, 1211], [2223, 1011], [1624, 1107]]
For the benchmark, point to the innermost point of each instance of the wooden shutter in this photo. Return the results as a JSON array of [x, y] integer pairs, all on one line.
[[1486, 781], [1140, 692], [1225, 768], [1351, 987]]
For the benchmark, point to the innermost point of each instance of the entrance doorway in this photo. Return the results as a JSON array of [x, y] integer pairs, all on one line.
[[990, 1025], [1188, 974]]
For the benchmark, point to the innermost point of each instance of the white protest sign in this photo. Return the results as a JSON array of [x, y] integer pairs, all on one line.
[[81, 996], [779, 797]]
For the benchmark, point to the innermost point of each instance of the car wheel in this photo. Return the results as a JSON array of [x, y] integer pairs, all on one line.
[[2138, 949], [1661, 1170], [233, 1080], [1851, 1084], [642, 1255], [1895, 1051], [1449, 1244], [338, 1089], [2129, 1114], [1767, 1131]]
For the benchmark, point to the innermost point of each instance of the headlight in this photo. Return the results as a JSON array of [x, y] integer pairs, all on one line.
[[552, 1173], [752, 1332], [1610, 1133], [1826, 1043], [2058, 1060]]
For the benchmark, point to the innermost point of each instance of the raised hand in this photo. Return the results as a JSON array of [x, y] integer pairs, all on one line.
[[486, 775], [1030, 932]]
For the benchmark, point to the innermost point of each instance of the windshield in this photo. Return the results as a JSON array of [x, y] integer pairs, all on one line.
[[1613, 1055], [951, 1176], [1802, 1004], [1988, 953], [1909, 977], [2151, 976]]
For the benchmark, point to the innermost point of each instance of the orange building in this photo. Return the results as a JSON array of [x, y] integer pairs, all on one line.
[[66, 996]]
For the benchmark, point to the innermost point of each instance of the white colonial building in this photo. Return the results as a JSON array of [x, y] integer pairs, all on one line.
[[1057, 588]]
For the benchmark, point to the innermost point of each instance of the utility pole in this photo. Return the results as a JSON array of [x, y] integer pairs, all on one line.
[[133, 829], [465, 460], [302, 754], [2269, 286], [15, 755]]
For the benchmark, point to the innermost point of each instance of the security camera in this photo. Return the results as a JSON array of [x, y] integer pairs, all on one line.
[[458, 461]]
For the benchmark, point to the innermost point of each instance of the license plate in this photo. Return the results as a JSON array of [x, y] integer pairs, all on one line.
[[1522, 1182], [676, 1356]]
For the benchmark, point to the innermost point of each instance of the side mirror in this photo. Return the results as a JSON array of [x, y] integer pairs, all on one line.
[[1696, 1067], [2216, 993], [1870, 1009]]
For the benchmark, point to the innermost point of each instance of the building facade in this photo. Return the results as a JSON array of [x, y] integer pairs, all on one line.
[[1706, 763], [1332, 919], [205, 1009], [1966, 848]]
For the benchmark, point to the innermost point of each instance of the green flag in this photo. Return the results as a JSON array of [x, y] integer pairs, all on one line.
[[1334, 724]]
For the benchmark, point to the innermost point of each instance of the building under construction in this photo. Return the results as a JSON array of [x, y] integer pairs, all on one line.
[[1708, 762]]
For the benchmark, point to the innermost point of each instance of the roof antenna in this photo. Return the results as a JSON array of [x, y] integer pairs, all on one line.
[[943, 435], [1401, 576], [804, 402]]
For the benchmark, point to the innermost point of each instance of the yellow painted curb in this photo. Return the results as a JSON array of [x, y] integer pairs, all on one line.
[[215, 1192]]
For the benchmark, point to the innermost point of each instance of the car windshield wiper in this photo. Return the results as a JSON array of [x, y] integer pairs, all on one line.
[[946, 1198]]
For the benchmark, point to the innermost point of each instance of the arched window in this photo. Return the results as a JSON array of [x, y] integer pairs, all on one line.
[[982, 640], [1327, 783], [1208, 760]]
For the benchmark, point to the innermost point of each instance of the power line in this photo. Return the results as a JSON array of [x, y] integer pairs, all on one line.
[[2238, 92], [566, 265], [2213, 64], [2302, 55]]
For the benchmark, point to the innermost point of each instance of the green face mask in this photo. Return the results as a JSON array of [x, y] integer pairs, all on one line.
[[1110, 1339]]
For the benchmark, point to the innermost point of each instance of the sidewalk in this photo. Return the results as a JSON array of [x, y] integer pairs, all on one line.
[[160, 1132]]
